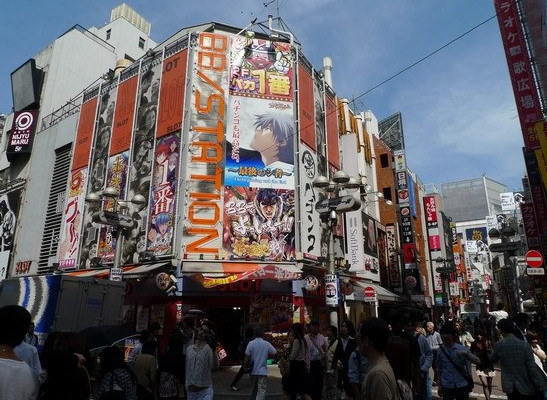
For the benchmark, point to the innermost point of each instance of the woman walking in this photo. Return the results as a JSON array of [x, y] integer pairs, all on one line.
[[346, 345], [299, 360], [200, 361], [481, 347], [117, 376]]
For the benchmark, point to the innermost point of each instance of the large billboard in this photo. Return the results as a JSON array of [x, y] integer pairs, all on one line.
[[306, 112], [310, 231], [74, 204], [260, 143], [259, 223]]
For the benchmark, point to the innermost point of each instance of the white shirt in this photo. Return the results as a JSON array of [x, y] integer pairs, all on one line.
[[16, 381], [258, 351], [29, 354], [499, 315]]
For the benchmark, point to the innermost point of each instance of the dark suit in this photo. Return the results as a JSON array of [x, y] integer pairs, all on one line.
[[343, 355], [519, 372]]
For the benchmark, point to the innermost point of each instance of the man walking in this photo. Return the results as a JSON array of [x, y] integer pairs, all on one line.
[[256, 354], [434, 339], [521, 378], [380, 382]]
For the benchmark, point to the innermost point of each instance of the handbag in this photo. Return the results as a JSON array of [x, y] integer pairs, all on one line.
[[467, 376], [284, 366], [115, 393]]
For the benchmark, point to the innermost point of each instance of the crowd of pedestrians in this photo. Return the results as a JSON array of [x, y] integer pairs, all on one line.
[[404, 360]]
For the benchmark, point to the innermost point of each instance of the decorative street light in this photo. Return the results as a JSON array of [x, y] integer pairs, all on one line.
[[329, 209], [445, 270], [116, 217]]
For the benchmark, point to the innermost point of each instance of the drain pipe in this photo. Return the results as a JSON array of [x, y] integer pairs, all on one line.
[[270, 17]]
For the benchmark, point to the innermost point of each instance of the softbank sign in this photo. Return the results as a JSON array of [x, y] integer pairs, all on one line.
[[354, 232]]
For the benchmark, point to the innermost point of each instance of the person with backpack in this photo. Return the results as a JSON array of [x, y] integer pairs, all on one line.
[[119, 381], [454, 371]]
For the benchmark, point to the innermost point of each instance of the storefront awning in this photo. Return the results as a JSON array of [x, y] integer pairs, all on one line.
[[211, 274], [381, 292], [129, 271]]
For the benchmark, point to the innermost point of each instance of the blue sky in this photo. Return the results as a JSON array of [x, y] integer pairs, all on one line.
[[459, 114]]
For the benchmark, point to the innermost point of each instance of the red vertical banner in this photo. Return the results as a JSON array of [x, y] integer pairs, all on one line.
[[84, 136], [520, 70], [332, 132], [124, 116], [306, 112], [173, 83]]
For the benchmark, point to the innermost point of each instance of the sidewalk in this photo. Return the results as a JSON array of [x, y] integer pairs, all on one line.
[[222, 378]]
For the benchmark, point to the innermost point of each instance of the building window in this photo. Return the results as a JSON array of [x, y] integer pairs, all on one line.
[[141, 43], [387, 193], [384, 160], [108, 32]]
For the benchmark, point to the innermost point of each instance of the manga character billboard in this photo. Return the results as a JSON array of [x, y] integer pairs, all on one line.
[[259, 144], [261, 68], [320, 126], [142, 154], [164, 195], [72, 219], [116, 178], [259, 223], [310, 241], [72, 214], [97, 170]]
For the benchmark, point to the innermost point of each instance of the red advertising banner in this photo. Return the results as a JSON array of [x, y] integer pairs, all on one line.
[[434, 242], [84, 136], [173, 84], [520, 70], [430, 211], [123, 116], [306, 112], [332, 132]]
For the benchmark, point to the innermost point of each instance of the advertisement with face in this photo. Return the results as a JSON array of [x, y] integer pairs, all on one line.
[[9, 207], [261, 68], [142, 155], [309, 196], [164, 193], [72, 218], [259, 144], [369, 235], [259, 223], [97, 170], [117, 179]]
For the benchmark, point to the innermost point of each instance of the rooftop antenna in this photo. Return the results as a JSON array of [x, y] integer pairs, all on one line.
[[276, 9]]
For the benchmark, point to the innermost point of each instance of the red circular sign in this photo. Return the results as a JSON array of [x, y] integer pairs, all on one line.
[[369, 291], [534, 259]]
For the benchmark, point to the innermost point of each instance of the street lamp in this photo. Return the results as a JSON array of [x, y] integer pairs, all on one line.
[[328, 209], [116, 216], [445, 270]]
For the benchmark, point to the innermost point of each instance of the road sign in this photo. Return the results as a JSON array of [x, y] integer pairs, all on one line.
[[340, 204], [370, 293], [534, 259], [535, 271], [503, 247]]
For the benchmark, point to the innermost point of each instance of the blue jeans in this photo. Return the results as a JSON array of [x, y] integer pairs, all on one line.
[[428, 387]]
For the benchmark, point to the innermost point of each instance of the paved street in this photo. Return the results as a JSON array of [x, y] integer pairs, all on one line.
[[224, 375]]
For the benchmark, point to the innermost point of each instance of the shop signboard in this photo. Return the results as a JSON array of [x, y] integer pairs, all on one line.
[[332, 291], [310, 238]]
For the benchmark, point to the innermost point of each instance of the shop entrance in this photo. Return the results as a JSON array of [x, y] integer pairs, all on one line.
[[230, 323]]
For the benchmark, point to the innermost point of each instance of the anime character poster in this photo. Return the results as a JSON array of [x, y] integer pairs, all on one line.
[[164, 194], [260, 144], [116, 178], [72, 217], [97, 170], [261, 68], [310, 240], [320, 127], [142, 156], [259, 223]]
